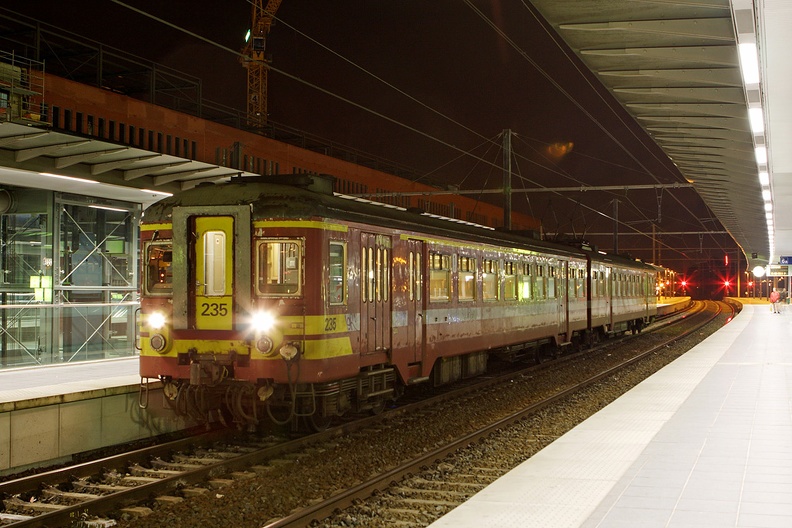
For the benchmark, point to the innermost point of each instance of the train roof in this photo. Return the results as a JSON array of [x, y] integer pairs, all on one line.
[[309, 196]]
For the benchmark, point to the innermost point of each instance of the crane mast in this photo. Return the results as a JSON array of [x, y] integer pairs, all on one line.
[[256, 62]]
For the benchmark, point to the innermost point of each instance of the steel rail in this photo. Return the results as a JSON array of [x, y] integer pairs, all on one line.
[[345, 499]]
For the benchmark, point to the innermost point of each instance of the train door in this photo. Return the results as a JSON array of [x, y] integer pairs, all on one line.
[[208, 266], [612, 297], [211, 302], [375, 294], [415, 307], [562, 295]]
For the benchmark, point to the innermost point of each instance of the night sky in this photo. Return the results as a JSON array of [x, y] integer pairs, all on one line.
[[447, 83]]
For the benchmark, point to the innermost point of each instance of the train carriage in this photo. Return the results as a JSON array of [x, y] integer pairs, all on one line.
[[260, 296]]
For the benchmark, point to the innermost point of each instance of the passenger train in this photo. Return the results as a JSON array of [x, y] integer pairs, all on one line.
[[276, 299]]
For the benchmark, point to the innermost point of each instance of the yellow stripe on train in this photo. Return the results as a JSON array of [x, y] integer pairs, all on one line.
[[312, 349], [317, 325]]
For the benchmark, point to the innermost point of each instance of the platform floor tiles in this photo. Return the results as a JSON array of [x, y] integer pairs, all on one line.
[[29, 383], [705, 442]]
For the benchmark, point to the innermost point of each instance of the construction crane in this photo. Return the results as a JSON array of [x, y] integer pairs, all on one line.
[[256, 62]]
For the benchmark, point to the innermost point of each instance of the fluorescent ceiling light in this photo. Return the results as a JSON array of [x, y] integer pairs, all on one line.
[[768, 206], [761, 155], [106, 208], [764, 178], [757, 120], [766, 196], [749, 63], [80, 180]]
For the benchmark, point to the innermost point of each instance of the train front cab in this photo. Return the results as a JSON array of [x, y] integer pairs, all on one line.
[[210, 271]]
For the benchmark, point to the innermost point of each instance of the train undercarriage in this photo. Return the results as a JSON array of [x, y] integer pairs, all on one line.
[[212, 394], [246, 404]]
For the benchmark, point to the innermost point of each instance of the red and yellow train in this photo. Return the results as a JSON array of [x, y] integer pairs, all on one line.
[[282, 299]]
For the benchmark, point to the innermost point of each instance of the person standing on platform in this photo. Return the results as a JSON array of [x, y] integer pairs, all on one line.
[[774, 298]]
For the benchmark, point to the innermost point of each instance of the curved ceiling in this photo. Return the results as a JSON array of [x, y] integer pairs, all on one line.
[[674, 65]]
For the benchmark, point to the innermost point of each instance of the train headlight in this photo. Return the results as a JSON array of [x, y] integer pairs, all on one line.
[[265, 346], [156, 320], [157, 342], [263, 321]]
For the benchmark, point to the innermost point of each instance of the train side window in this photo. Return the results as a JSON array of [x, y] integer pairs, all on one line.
[[382, 274], [411, 276], [378, 278], [551, 282], [370, 277], [489, 280], [158, 278], [509, 281], [526, 284], [279, 267], [539, 283], [467, 279], [419, 277], [336, 288], [572, 283], [439, 277]]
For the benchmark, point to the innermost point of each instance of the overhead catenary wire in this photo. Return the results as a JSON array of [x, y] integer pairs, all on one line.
[[394, 121]]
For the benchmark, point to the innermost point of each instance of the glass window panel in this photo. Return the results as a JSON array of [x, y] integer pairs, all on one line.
[[279, 267], [214, 263], [337, 284], [158, 273]]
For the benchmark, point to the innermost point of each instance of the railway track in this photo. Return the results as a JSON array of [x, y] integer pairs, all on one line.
[[410, 496], [98, 493]]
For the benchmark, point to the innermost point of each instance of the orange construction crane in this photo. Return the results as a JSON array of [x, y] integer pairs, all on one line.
[[255, 61]]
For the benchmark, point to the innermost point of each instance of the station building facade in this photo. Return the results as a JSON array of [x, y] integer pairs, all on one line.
[[78, 165]]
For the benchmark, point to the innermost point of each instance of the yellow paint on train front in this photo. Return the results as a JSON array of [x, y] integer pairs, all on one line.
[[203, 346], [313, 349], [156, 227]]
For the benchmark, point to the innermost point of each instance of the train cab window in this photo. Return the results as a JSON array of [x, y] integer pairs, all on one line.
[[509, 281], [467, 279], [439, 277], [526, 282], [489, 280], [278, 267], [214, 263], [336, 287], [158, 278]]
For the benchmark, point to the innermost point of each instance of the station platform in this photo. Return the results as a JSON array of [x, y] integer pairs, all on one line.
[[669, 305], [706, 441], [18, 385], [50, 413]]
